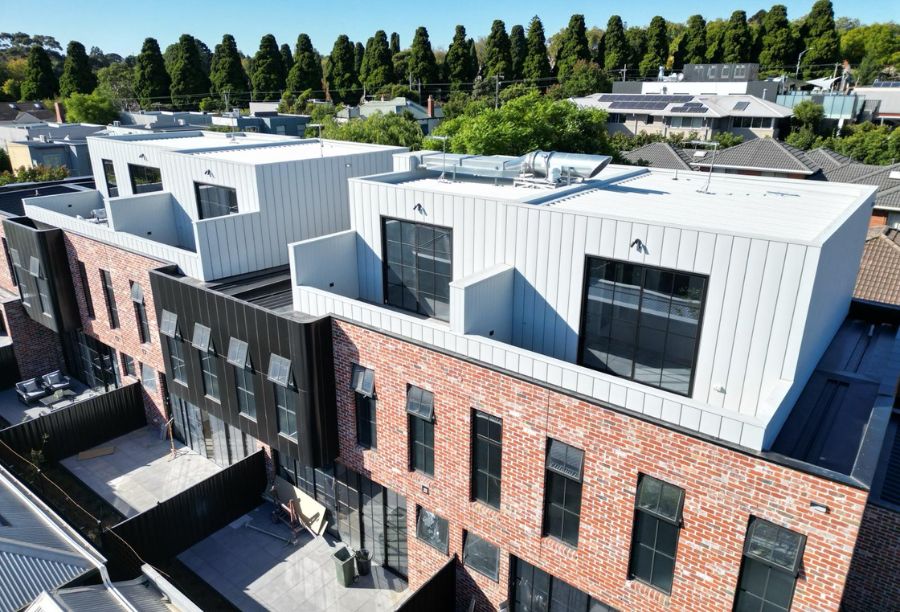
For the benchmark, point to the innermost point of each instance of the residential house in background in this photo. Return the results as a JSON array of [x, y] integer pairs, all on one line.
[[28, 112], [704, 115], [428, 117], [264, 122]]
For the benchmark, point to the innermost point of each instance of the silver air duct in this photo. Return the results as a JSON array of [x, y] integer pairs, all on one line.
[[558, 166], [535, 169]]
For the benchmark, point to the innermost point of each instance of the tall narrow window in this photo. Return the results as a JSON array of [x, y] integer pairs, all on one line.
[[148, 378], [363, 385], [109, 172], [486, 458], [9, 263], [168, 327], [140, 312], [642, 323], [657, 522], [202, 341], [17, 276], [420, 407], [40, 279], [239, 357], [86, 288], [110, 297], [418, 267], [128, 365], [215, 200], [144, 179], [282, 378], [562, 498], [769, 568]]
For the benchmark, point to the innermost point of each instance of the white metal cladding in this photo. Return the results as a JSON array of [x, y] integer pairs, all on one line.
[[757, 340]]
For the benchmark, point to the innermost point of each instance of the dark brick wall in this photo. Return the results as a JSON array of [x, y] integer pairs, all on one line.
[[874, 579]]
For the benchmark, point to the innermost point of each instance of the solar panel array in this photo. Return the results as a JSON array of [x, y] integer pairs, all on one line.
[[886, 84], [645, 98], [689, 109], [741, 106], [640, 105]]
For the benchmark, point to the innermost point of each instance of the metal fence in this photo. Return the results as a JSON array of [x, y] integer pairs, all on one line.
[[9, 368], [159, 534], [436, 595], [80, 426]]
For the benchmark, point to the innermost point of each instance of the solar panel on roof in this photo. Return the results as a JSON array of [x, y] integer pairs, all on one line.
[[689, 109], [741, 106]]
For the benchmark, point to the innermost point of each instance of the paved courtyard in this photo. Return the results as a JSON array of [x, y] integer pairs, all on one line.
[[261, 571], [141, 471]]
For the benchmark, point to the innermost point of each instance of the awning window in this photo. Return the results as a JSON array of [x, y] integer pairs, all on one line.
[[564, 459], [201, 340], [238, 353], [168, 324], [34, 267], [420, 403], [280, 371], [137, 294], [363, 380]]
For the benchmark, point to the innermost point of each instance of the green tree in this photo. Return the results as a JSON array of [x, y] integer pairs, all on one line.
[[377, 70], [777, 49], [189, 82], [91, 108], [537, 65], [13, 89], [116, 82], [879, 41], [866, 142], [525, 123], [821, 39], [226, 70], [657, 53], [422, 65], [343, 82], [459, 61], [40, 82], [615, 45], [268, 70], [518, 50], [715, 41], [695, 40], [395, 44], [287, 59], [306, 73], [637, 45], [867, 71], [584, 78], [736, 43], [151, 80], [497, 55], [359, 52], [573, 47], [401, 67], [807, 122], [77, 76], [391, 129]]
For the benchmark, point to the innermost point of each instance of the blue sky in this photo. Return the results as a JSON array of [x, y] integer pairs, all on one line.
[[120, 27]]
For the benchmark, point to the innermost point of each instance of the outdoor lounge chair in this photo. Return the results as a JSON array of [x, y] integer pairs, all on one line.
[[30, 390], [55, 381]]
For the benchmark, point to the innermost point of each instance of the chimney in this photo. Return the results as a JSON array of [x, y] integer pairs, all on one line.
[[60, 112], [430, 106]]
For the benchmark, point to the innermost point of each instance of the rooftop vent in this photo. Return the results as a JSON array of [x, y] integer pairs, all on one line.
[[535, 169]]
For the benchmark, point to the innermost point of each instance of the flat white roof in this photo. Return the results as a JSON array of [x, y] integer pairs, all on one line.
[[778, 209], [266, 153]]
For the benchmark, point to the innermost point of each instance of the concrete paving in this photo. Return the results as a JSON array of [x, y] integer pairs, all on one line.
[[261, 571], [141, 471]]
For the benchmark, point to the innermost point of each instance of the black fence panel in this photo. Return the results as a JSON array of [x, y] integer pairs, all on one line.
[[436, 595], [9, 367], [80, 426], [161, 533]]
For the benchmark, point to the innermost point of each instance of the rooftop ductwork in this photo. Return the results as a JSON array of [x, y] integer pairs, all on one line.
[[536, 169]]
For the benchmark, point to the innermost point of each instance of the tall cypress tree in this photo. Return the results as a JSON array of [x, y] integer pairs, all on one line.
[[777, 49], [151, 81], [715, 40], [460, 68], [657, 52], [268, 70], [737, 43], [821, 39], [615, 45], [422, 65], [226, 73], [395, 44], [695, 40], [574, 47], [359, 51], [497, 55], [474, 62], [40, 82], [77, 76], [343, 82], [377, 70], [287, 59], [637, 45], [306, 73], [537, 64], [518, 50], [189, 82]]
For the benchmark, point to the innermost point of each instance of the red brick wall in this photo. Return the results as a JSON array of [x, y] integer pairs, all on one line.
[[874, 580], [37, 349], [878, 218], [723, 487], [123, 267]]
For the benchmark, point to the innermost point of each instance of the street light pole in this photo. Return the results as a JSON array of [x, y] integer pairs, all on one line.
[[799, 57]]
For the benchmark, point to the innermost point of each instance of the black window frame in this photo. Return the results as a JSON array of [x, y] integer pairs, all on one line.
[[245, 389], [128, 366], [637, 324], [112, 186], [650, 516], [148, 378], [285, 410], [484, 426], [439, 545], [9, 262], [109, 296], [144, 169], [414, 274], [233, 207], [563, 490], [362, 383], [753, 561], [176, 359], [531, 588], [140, 312], [86, 289], [45, 300], [420, 423], [473, 563]]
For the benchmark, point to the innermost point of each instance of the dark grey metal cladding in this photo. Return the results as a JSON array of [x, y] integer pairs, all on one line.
[[46, 244], [307, 344]]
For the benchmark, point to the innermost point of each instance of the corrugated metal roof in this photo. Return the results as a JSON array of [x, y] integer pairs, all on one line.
[[24, 575]]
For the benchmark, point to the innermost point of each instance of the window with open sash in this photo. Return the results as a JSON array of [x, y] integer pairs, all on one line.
[[769, 568], [420, 408], [363, 384], [562, 497], [657, 523]]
